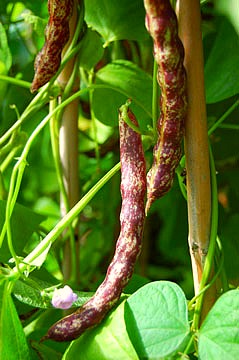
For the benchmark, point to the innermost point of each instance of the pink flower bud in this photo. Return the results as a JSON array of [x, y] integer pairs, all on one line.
[[63, 298]]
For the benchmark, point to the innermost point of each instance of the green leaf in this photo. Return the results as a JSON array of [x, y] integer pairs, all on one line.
[[157, 319], [111, 19], [109, 340], [91, 50], [125, 80], [229, 9], [219, 334], [23, 223], [222, 70], [38, 293], [13, 343]]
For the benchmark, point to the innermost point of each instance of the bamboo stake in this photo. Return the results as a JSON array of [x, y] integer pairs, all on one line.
[[68, 148], [196, 143]]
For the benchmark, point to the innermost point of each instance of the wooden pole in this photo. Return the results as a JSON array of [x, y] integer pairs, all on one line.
[[68, 149], [196, 142]]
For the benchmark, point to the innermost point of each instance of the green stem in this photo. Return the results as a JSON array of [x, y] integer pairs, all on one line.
[[11, 200], [14, 81], [188, 347], [19, 167], [54, 133], [9, 158], [219, 270], [223, 117], [210, 131], [93, 119], [229, 126], [124, 112], [212, 244], [66, 220], [42, 97], [223, 276], [37, 102]]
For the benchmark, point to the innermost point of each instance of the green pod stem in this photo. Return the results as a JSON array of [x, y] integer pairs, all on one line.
[[161, 23], [128, 246], [57, 34]]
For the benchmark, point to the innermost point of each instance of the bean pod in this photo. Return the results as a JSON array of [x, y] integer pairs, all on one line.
[[57, 33], [161, 23], [133, 189]]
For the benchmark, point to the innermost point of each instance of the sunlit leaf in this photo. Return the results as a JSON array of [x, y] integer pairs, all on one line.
[[122, 80], [157, 319], [108, 341], [91, 50], [111, 19], [219, 334], [38, 293], [13, 343]]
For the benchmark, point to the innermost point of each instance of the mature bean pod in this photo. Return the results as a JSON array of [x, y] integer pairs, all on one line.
[[161, 23], [57, 34], [133, 188]]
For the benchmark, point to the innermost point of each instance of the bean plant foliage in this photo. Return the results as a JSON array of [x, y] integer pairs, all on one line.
[[51, 238]]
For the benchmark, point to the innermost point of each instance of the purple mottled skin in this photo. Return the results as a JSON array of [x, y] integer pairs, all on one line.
[[161, 23], [133, 189], [57, 33]]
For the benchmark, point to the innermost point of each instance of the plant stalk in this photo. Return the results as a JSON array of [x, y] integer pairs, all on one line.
[[196, 143], [68, 151]]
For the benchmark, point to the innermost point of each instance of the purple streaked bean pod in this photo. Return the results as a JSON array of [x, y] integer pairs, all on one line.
[[161, 23], [128, 246], [57, 33]]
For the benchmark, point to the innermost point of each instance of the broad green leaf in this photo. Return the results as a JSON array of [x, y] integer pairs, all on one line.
[[230, 9], [222, 70], [91, 50], [123, 80], [157, 319], [13, 343], [116, 20], [23, 222], [219, 334], [38, 293], [109, 340]]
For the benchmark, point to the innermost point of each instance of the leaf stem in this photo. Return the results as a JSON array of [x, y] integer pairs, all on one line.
[[37, 102], [223, 117], [93, 119], [66, 220], [188, 347], [124, 111], [18, 170], [14, 81]]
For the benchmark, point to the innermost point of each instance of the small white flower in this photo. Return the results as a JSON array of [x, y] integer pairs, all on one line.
[[63, 298]]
